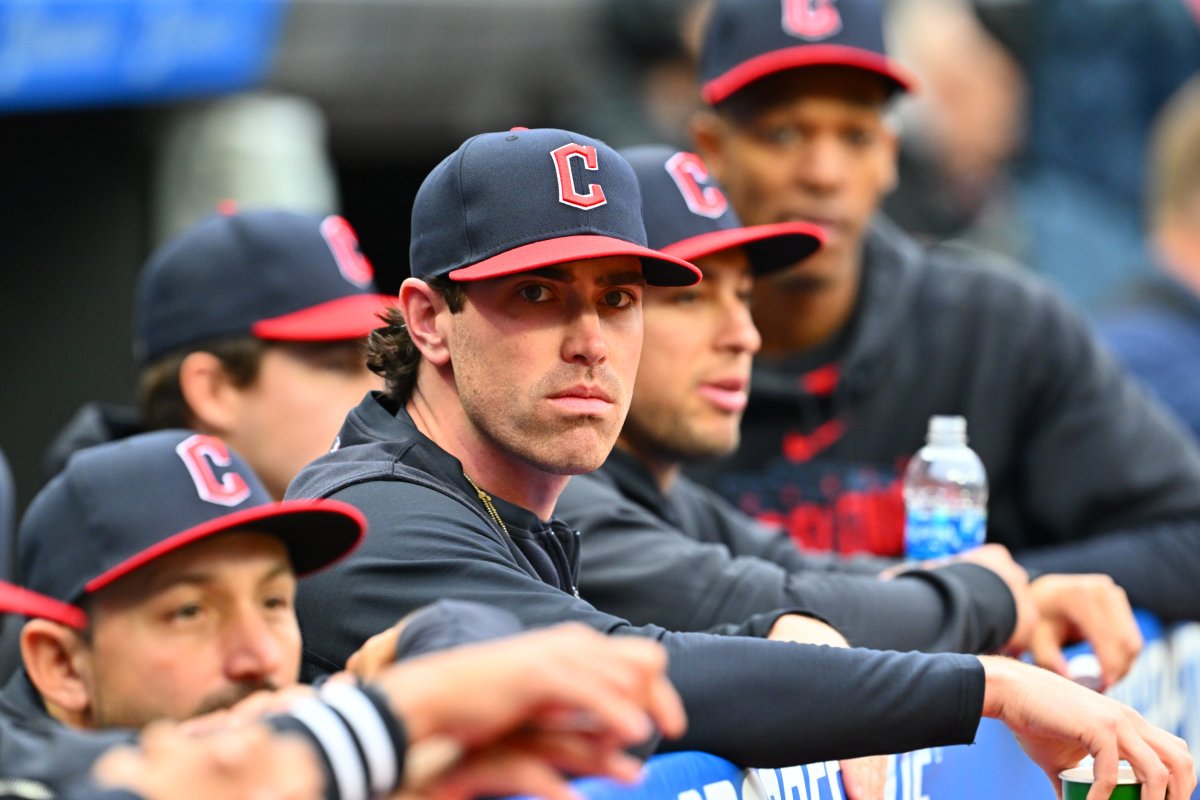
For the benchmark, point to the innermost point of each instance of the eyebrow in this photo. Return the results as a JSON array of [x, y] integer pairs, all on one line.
[[204, 578], [568, 276]]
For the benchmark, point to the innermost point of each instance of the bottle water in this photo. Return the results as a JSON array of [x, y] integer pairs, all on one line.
[[945, 494]]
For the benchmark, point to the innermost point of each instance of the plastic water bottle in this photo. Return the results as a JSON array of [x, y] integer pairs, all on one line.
[[945, 494]]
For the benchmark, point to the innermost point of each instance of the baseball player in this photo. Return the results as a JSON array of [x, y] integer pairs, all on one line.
[[509, 363], [873, 335], [248, 326], [162, 579]]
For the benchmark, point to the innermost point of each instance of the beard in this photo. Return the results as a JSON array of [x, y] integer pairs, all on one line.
[[546, 442], [670, 437], [117, 715], [232, 695]]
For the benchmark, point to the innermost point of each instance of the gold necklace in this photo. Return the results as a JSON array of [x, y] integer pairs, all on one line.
[[486, 499]]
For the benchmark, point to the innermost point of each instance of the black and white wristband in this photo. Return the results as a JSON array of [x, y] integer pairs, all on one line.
[[361, 742]]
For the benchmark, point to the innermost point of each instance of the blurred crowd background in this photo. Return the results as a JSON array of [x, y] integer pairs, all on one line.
[[123, 121]]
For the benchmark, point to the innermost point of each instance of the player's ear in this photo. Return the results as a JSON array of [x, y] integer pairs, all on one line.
[[212, 397], [709, 132], [426, 315], [56, 659]]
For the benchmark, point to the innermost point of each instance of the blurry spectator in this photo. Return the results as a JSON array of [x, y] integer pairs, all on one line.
[[1156, 331], [1097, 72], [959, 132], [249, 326]]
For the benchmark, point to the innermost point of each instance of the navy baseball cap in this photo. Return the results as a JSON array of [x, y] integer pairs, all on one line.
[[275, 275], [747, 40], [19, 600], [510, 202], [687, 215], [119, 506]]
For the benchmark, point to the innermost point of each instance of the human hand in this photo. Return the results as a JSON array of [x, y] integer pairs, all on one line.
[[377, 653], [260, 704], [568, 677], [806, 630], [1057, 722], [864, 778], [243, 762], [526, 763], [1090, 608]]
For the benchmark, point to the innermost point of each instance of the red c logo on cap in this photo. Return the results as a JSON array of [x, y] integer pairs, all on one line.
[[566, 180], [199, 454], [688, 172], [343, 243], [811, 19]]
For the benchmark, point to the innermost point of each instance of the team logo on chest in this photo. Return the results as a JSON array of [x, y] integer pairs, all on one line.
[[202, 455], [577, 156], [690, 176], [811, 19]]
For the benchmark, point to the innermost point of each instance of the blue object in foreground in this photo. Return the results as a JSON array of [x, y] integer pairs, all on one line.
[[74, 53], [700, 776]]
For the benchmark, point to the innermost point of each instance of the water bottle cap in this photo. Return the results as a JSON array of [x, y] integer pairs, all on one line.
[[947, 428]]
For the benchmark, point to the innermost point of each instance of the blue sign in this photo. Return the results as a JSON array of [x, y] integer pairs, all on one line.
[[701, 776], [1164, 685], [74, 53]]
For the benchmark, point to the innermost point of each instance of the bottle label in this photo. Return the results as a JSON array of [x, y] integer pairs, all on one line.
[[939, 532]]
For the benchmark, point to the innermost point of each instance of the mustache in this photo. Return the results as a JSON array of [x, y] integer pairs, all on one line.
[[232, 695]]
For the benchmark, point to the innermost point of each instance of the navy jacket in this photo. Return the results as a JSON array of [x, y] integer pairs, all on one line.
[[49, 758], [56, 760], [689, 561], [755, 702]]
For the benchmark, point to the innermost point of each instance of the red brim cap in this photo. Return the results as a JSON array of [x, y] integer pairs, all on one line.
[[18, 600], [658, 268], [316, 533], [792, 242], [351, 317], [747, 72]]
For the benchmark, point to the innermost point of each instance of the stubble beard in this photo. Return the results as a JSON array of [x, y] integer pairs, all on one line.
[[543, 442], [668, 437], [107, 715]]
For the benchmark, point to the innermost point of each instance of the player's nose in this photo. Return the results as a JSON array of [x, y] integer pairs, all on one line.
[[253, 649]]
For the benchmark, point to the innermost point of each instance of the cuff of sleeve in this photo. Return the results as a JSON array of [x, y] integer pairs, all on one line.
[[972, 699], [284, 723], [397, 734], [361, 744], [992, 601]]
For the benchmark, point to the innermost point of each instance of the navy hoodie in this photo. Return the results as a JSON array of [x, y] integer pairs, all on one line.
[[1086, 473], [688, 561], [755, 702]]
